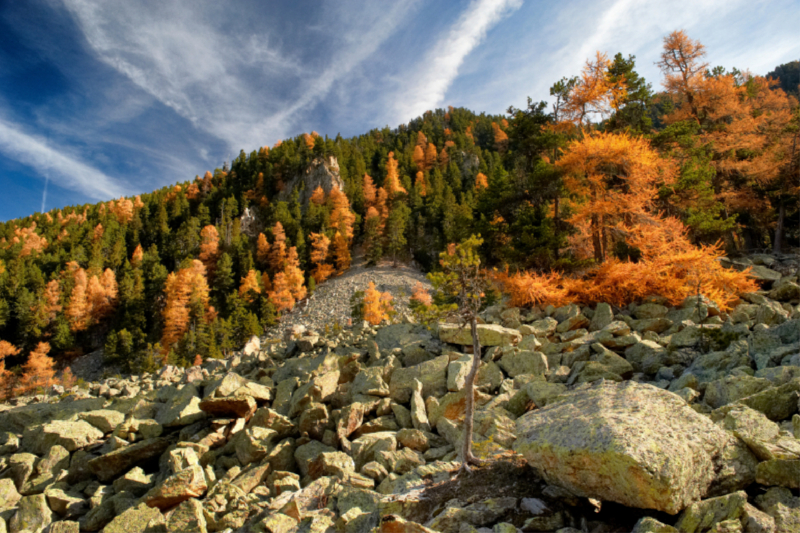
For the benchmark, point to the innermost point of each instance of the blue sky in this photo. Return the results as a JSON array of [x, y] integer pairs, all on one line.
[[116, 97]]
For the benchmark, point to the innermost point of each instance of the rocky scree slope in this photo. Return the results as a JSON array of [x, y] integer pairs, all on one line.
[[592, 419]]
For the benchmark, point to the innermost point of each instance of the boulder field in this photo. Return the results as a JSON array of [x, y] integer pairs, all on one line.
[[651, 419]]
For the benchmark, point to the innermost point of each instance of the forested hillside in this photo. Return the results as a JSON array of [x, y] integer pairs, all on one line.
[[610, 173]]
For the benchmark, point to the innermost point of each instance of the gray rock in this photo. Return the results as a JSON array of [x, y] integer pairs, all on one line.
[[602, 438], [488, 335], [517, 363], [70, 435], [432, 374]]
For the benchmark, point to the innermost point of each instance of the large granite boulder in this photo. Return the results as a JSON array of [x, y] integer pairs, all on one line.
[[633, 444]]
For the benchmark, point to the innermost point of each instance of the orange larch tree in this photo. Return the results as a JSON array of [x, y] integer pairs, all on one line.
[[431, 156], [392, 183], [595, 92], [78, 308], [6, 385], [137, 256], [209, 247], [52, 297], [277, 253], [280, 295], [342, 251], [295, 280], [320, 244], [419, 183], [444, 158], [249, 285], [500, 138], [318, 196], [38, 371], [617, 178], [481, 181], [377, 305], [184, 290], [419, 158], [369, 191], [262, 250]]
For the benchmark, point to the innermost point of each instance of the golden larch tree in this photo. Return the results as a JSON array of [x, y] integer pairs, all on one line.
[[280, 295], [419, 183], [419, 158], [6, 377], [342, 252], [369, 191], [616, 177], [183, 290], [318, 196], [137, 256], [295, 279], [320, 244], [262, 250], [78, 308], [249, 285], [431, 156], [209, 247], [500, 138], [392, 183], [481, 181], [52, 298], [38, 371], [377, 305], [277, 253]]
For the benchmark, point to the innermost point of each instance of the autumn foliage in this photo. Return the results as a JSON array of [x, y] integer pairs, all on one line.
[[186, 299], [377, 305], [38, 371]]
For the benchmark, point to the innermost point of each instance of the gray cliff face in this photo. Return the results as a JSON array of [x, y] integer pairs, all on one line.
[[322, 172]]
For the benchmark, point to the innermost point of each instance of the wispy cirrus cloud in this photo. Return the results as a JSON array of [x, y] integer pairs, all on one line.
[[441, 66], [54, 164], [244, 86]]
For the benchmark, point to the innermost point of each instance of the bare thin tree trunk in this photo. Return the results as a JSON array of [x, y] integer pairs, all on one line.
[[469, 392]]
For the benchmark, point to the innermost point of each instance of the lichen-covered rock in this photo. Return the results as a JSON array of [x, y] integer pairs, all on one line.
[[432, 374], [419, 414], [366, 447], [370, 381], [488, 335], [70, 435], [19, 419], [640, 351], [106, 420], [784, 508], [701, 515], [32, 514], [756, 521], [731, 388], [179, 487], [516, 363], [648, 524], [139, 519], [630, 443], [785, 473], [110, 465], [182, 410], [187, 518]]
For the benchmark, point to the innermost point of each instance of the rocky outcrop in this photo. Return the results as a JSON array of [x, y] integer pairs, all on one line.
[[321, 172]]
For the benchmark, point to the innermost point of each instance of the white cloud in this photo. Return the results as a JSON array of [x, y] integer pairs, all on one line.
[[52, 163], [243, 87], [441, 66]]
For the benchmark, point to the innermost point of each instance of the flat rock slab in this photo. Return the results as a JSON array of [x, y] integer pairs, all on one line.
[[70, 435], [109, 466], [488, 335], [629, 443], [239, 406]]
